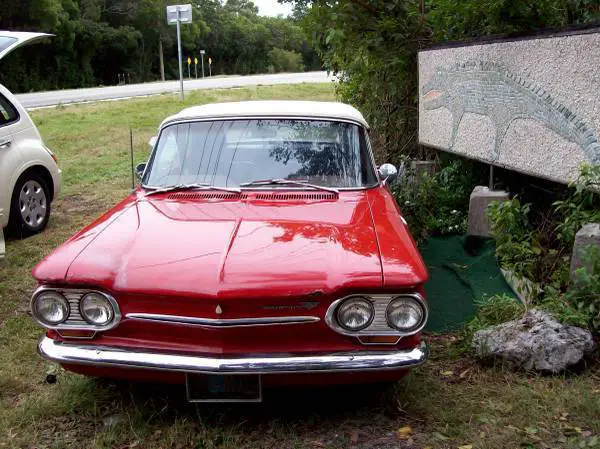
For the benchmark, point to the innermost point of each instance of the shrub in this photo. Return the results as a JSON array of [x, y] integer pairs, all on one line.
[[585, 291], [494, 310], [285, 60], [538, 247], [437, 204]]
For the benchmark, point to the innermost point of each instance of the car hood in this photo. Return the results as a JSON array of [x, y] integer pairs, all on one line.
[[173, 245]]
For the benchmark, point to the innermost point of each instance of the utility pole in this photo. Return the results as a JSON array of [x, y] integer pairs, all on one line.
[[178, 14], [202, 58]]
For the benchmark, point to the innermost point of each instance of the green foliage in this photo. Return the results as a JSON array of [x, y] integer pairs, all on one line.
[[494, 310], [517, 244], [373, 45], [585, 292], [581, 206], [537, 248], [285, 61], [437, 204], [106, 41]]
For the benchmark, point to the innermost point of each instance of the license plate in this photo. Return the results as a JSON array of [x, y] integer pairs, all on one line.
[[223, 387]]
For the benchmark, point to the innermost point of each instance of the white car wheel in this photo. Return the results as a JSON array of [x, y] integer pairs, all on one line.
[[30, 206]]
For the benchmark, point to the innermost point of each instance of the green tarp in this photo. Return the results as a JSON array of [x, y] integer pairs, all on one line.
[[461, 270]]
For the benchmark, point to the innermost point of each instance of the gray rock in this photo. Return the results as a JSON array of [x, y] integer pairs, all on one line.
[[534, 342]]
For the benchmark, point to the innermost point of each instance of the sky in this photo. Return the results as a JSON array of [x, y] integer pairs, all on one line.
[[272, 8]]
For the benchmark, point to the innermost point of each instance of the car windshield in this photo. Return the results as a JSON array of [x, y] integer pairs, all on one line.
[[231, 153]]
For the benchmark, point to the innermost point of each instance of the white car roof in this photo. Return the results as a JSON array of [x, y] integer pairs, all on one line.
[[17, 39], [274, 108]]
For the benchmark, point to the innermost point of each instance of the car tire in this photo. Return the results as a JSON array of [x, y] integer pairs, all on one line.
[[29, 206]]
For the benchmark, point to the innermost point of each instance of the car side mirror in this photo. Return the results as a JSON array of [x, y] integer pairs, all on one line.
[[139, 170], [387, 173], [152, 142]]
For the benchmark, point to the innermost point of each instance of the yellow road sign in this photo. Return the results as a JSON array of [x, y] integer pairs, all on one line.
[[210, 60], [189, 60], [196, 61]]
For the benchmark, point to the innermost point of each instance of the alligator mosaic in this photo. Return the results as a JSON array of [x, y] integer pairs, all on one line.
[[488, 88]]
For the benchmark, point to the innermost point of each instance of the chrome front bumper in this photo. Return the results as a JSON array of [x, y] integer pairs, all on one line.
[[70, 353]]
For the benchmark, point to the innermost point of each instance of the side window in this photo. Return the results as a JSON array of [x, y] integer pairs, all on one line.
[[8, 113]]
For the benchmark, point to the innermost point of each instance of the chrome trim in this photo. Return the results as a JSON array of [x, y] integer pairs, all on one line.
[[379, 325], [369, 322], [76, 320], [87, 354], [219, 322]]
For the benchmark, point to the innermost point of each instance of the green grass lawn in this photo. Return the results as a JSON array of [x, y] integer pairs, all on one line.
[[450, 402]]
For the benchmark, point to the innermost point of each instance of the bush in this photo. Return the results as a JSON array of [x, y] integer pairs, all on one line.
[[537, 247], [494, 310], [585, 292], [437, 204], [285, 61]]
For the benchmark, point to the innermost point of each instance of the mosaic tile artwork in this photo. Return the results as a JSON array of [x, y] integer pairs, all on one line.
[[493, 103]]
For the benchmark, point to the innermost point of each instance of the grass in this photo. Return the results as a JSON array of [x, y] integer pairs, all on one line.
[[449, 402]]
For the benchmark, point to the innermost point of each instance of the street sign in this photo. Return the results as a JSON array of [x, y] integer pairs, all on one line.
[[196, 61], [202, 52], [179, 13], [210, 60], [189, 60]]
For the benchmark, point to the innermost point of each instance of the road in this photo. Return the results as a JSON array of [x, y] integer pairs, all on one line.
[[55, 97]]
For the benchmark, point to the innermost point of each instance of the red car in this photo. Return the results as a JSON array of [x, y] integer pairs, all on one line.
[[262, 247]]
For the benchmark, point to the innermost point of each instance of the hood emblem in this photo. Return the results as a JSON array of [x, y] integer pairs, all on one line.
[[218, 310]]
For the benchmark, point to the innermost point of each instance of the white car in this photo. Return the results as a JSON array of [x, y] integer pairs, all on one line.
[[29, 176]]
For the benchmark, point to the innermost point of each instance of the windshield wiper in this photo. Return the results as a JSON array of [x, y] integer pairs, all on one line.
[[196, 185], [289, 182]]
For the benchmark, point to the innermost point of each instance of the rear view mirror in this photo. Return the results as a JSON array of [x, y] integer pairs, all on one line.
[[387, 173]]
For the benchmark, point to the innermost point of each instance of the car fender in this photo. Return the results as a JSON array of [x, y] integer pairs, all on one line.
[[31, 153]]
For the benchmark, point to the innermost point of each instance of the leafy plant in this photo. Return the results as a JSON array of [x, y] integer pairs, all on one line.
[[585, 291], [581, 206], [537, 248], [492, 310], [437, 204]]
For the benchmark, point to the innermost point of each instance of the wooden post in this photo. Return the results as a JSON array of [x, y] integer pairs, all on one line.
[[161, 59]]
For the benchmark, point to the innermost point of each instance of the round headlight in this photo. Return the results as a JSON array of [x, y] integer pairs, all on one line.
[[96, 309], [355, 314], [405, 314], [51, 308]]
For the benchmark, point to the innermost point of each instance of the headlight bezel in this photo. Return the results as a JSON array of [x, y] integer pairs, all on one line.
[[379, 324], [75, 320], [84, 315], [356, 298], [417, 327], [35, 308]]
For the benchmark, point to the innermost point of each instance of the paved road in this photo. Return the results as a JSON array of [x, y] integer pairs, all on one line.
[[51, 98]]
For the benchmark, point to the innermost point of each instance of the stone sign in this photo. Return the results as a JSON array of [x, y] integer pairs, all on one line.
[[530, 104]]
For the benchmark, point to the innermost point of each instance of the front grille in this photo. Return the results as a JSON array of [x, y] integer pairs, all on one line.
[[75, 317]]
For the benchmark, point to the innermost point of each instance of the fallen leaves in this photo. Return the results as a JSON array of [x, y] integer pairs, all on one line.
[[404, 433]]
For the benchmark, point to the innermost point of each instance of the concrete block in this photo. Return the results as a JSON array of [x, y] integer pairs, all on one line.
[[479, 224], [589, 234]]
